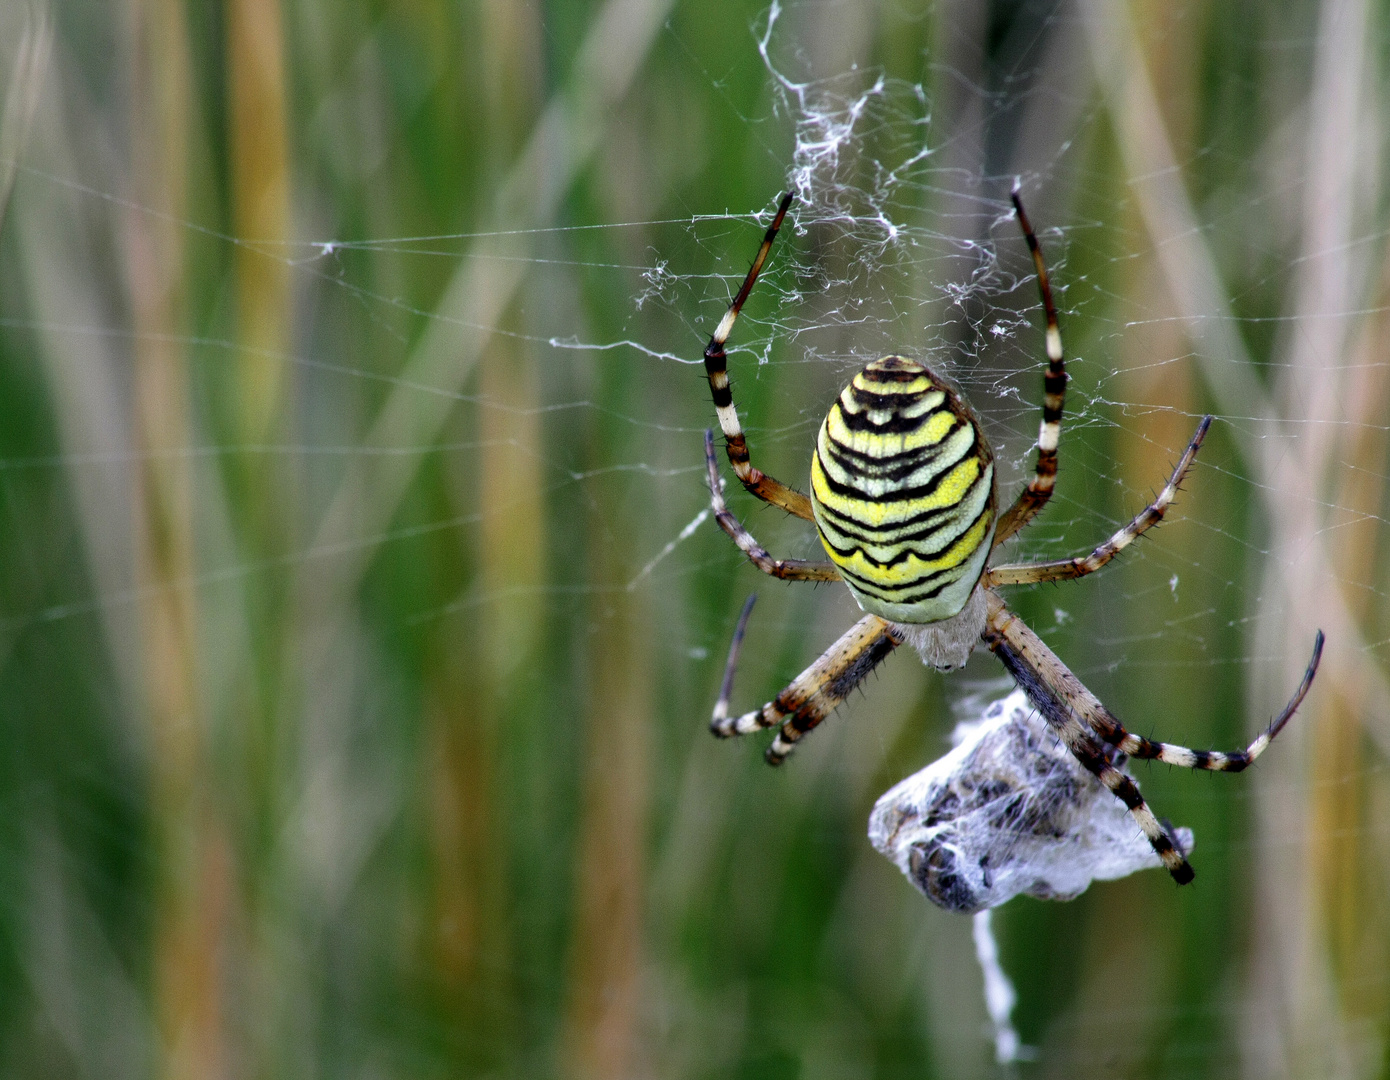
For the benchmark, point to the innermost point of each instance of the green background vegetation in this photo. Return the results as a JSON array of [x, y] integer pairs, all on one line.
[[347, 725]]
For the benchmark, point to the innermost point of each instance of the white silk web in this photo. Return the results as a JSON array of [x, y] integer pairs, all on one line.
[[1192, 276]]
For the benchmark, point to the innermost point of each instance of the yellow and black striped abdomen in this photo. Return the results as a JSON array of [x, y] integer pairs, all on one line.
[[902, 487]]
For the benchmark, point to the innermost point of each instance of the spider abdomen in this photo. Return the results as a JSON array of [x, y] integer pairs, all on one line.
[[902, 488]]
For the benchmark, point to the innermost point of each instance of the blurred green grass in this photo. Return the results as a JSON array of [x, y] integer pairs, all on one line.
[[351, 730]]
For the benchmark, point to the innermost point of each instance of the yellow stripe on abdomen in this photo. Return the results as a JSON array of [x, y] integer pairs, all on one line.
[[911, 570], [902, 488], [947, 491]]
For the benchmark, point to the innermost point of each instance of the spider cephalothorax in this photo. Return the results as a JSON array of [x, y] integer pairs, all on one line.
[[903, 498]]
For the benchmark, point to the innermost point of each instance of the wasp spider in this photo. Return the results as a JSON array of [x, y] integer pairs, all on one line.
[[904, 499]]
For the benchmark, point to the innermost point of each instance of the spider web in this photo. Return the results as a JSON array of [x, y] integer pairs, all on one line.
[[871, 152], [1198, 269]]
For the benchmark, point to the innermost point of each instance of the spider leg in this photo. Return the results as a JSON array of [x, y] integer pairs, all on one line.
[[1080, 718], [1151, 515], [1136, 746], [1034, 497], [814, 694], [726, 688], [786, 569], [717, 371], [1053, 690]]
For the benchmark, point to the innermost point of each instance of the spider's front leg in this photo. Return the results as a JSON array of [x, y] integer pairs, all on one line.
[[1084, 723], [814, 694], [1052, 688], [1104, 724]]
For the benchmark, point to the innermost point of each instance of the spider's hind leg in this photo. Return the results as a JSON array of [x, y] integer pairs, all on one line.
[[1035, 496], [717, 371]]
